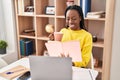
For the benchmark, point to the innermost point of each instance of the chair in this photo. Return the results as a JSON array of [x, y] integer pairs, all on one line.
[[91, 64]]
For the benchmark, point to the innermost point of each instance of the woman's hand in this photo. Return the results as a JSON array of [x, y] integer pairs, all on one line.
[[51, 36], [73, 64], [63, 55]]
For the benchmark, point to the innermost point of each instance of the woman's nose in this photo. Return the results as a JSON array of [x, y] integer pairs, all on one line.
[[70, 21]]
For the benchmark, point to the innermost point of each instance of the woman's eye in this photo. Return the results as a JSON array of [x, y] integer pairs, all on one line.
[[74, 19]]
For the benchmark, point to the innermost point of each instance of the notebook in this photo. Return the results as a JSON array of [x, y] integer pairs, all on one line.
[[50, 68], [71, 48]]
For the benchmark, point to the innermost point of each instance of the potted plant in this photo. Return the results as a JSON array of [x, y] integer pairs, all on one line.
[[3, 46]]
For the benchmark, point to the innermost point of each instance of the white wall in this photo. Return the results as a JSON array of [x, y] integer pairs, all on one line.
[[10, 30], [115, 62]]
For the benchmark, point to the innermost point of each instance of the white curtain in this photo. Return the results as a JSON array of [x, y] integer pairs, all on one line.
[[2, 25]]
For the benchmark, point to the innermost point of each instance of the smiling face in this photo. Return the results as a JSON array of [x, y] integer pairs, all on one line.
[[73, 19]]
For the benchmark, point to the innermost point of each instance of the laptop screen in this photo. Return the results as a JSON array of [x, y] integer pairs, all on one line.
[[50, 68]]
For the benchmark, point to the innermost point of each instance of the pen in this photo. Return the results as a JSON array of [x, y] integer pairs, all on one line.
[[11, 72], [91, 75]]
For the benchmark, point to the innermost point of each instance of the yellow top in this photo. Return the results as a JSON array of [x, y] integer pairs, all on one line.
[[85, 39]]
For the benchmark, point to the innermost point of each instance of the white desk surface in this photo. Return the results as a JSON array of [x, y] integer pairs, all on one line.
[[78, 73]]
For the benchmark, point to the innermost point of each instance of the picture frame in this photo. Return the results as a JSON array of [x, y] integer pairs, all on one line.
[[50, 10]]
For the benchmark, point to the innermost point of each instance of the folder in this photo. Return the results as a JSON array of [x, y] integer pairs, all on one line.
[[71, 48]]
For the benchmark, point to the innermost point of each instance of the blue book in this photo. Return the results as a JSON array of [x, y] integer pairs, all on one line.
[[86, 6], [22, 47], [28, 47]]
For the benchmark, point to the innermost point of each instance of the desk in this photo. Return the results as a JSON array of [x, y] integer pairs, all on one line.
[[78, 73]]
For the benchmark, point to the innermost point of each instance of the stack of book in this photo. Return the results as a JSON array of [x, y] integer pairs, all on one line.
[[26, 47], [98, 14], [28, 32]]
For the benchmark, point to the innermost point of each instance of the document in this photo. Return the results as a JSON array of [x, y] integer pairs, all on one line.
[[86, 74], [71, 48], [14, 72]]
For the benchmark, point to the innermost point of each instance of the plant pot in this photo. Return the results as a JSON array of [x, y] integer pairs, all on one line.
[[3, 51]]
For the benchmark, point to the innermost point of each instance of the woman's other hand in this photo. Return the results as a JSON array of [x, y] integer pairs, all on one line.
[[51, 36], [63, 55]]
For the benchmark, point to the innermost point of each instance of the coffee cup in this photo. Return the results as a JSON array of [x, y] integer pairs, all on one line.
[[58, 36]]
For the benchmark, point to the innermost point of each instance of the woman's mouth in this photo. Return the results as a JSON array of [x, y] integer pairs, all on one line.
[[72, 25]]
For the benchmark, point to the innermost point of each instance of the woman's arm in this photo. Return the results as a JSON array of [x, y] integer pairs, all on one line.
[[86, 52]]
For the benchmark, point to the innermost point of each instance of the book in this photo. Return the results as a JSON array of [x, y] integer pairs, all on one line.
[[28, 30], [28, 47], [14, 72], [22, 47], [86, 6], [97, 14], [71, 48], [93, 16]]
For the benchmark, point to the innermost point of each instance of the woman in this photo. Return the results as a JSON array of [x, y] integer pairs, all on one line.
[[75, 30]]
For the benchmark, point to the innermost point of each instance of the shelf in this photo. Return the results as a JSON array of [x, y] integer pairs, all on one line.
[[43, 15], [99, 43], [26, 36], [43, 38], [96, 19], [27, 56], [32, 15], [60, 16], [38, 21]]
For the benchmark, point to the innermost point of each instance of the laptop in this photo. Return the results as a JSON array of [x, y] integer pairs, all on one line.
[[50, 68]]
